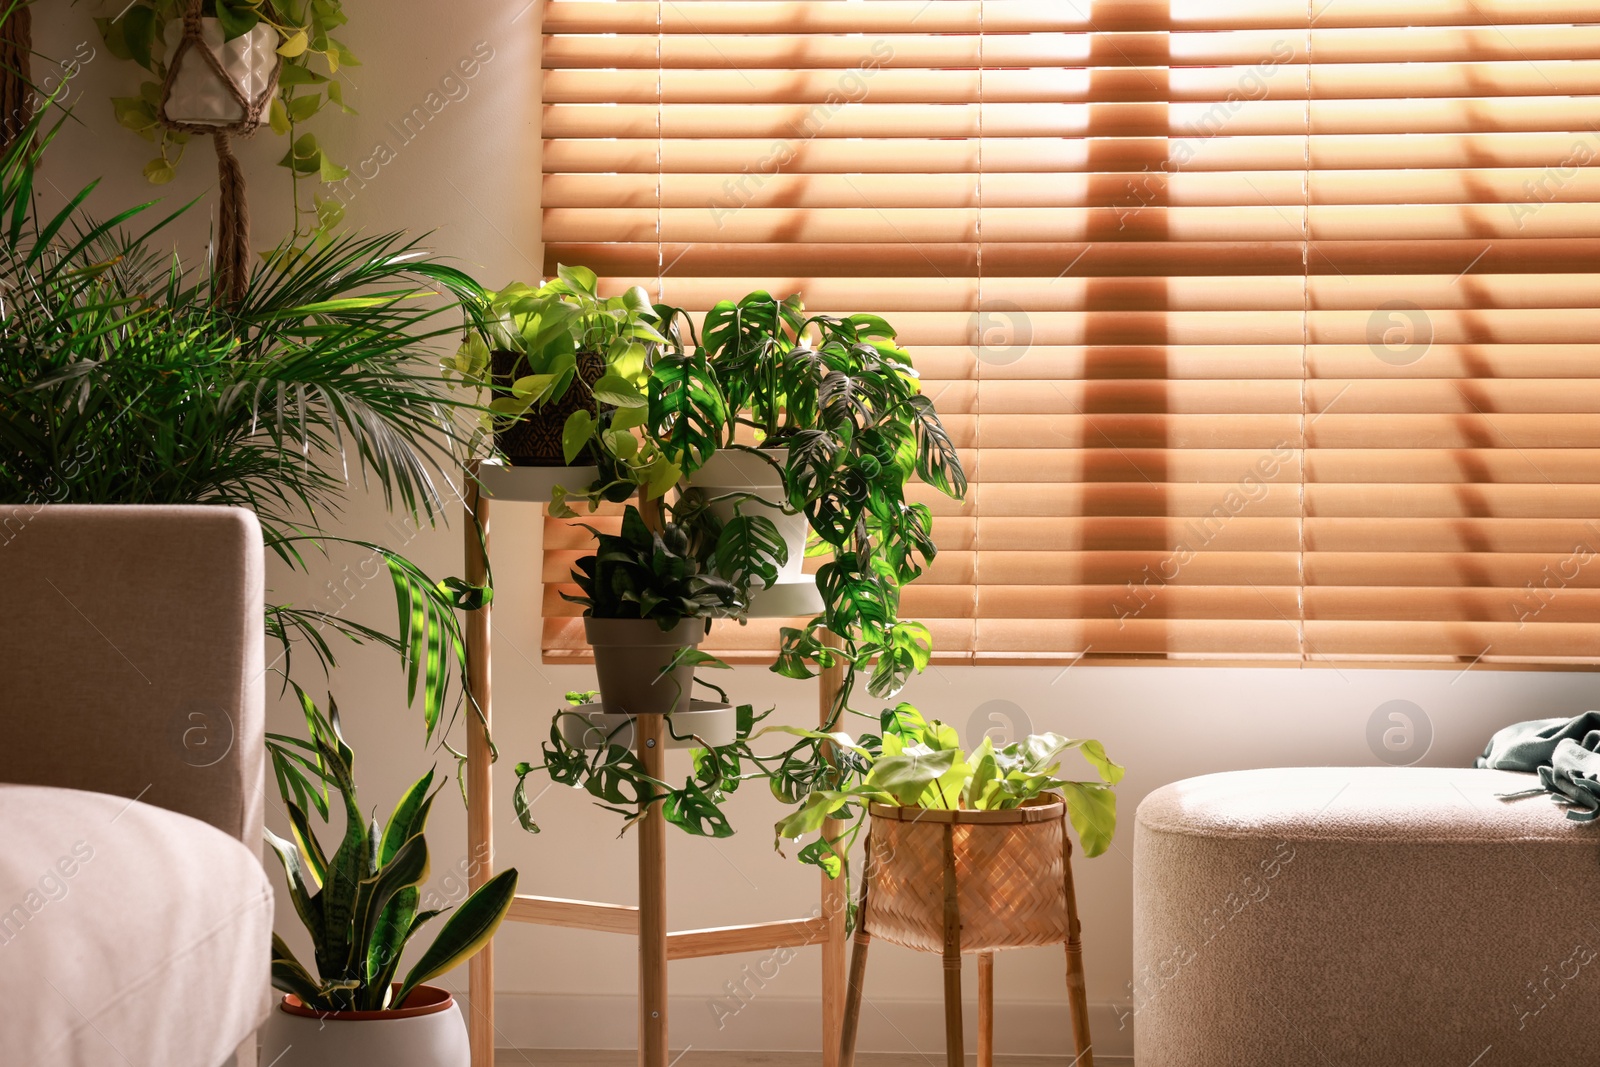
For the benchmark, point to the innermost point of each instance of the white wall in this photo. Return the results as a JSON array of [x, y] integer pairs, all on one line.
[[471, 177]]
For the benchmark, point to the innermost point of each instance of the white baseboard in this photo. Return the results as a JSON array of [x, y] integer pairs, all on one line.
[[792, 1024]]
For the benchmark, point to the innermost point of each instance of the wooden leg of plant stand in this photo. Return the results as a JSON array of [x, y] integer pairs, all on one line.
[[480, 825], [851, 1019], [1077, 993], [986, 1009], [650, 734], [835, 901], [954, 1044], [652, 902]]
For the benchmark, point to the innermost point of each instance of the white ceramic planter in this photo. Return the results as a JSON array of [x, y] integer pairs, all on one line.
[[197, 96], [732, 471], [428, 1032], [705, 722]]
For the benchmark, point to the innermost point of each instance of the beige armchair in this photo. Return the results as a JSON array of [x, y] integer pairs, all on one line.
[[135, 915]]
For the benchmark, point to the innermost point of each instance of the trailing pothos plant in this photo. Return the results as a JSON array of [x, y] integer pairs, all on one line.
[[307, 85], [361, 904], [612, 773], [915, 763], [546, 330]]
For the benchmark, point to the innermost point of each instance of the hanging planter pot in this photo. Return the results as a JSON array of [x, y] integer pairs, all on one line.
[[220, 87], [230, 89], [731, 471], [427, 1031], [534, 440], [629, 657]]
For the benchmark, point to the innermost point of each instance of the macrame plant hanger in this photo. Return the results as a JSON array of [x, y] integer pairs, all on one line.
[[16, 49], [233, 216]]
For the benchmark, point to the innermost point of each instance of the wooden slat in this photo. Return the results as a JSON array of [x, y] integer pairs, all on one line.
[[756, 937], [574, 914]]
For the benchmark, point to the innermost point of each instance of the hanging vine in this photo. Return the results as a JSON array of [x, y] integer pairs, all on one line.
[[146, 33]]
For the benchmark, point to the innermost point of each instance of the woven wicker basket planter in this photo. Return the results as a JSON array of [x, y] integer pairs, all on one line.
[[1008, 876], [956, 882]]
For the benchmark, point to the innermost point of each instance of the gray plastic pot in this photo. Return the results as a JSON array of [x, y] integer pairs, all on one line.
[[629, 655]]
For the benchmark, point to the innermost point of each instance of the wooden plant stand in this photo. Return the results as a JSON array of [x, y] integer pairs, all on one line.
[[648, 920], [999, 888]]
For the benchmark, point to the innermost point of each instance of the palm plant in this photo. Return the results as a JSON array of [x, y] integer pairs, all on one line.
[[125, 377]]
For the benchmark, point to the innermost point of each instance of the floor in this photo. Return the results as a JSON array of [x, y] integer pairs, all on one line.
[[553, 1057]]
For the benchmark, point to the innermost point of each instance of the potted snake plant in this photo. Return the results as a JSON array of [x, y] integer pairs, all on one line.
[[362, 905]]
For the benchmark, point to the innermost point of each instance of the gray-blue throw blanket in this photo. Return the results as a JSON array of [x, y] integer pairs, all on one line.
[[1565, 753]]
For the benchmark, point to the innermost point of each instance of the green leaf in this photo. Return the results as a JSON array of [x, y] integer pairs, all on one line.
[[299, 892], [818, 807], [821, 854], [136, 114], [409, 819], [329, 171], [750, 548], [304, 106], [691, 809], [907, 776], [408, 869], [294, 45], [520, 803], [140, 25], [1092, 807], [159, 172], [465, 932], [277, 116], [237, 18], [617, 391], [575, 434], [289, 976], [581, 279]]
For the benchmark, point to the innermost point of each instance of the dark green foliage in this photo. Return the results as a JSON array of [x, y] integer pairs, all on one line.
[[125, 380], [361, 904], [641, 574]]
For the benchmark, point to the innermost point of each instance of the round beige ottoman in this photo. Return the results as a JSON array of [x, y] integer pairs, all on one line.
[[1387, 917]]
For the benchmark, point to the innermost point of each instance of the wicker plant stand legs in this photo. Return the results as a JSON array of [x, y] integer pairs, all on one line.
[[951, 953]]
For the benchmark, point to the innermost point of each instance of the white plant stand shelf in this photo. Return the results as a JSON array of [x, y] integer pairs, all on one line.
[[648, 920], [706, 724], [531, 484]]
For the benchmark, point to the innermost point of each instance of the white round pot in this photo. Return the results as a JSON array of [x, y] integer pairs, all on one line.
[[731, 471], [705, 723], [428, 1032], [198, 96]]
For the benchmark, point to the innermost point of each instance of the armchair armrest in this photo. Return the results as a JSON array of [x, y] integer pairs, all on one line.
[[132, 655]]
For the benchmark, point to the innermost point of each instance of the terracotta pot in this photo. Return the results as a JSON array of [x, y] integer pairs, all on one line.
[[629, 655], [198, 97], [730, 471], [427, 1032], [535, 439]]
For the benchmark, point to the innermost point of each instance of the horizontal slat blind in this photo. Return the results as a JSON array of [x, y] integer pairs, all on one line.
[[1268, 331]]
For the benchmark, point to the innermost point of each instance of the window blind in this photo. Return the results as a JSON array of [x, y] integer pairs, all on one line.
[[1268, 329]]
